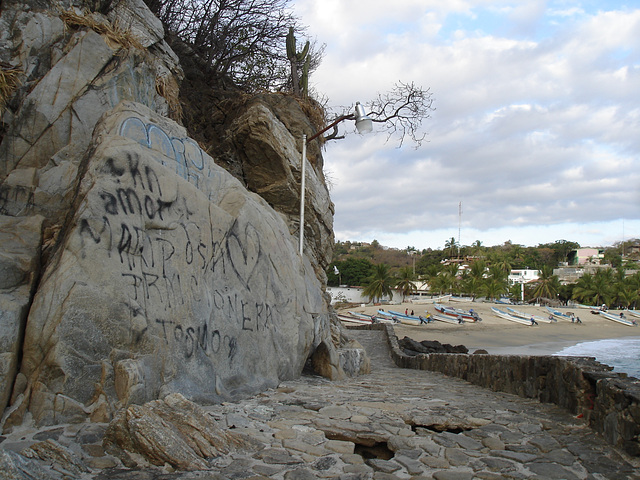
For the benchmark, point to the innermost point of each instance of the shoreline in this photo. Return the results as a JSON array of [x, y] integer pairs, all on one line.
[[502, 337]]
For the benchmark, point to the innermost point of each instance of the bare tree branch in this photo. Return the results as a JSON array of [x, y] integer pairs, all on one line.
[[402, 111], [243, 40]]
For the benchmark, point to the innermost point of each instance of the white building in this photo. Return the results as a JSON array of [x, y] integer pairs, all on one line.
[[523, 276]]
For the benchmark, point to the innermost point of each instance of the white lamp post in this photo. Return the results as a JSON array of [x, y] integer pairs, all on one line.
[[364, 124]]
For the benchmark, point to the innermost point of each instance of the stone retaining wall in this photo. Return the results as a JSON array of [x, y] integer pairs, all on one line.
[[608, 401]]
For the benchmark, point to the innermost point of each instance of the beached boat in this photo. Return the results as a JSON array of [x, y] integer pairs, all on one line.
[[427, 301], [511, 318], [353, 320], [445, 318], [386, 317], [527, 316], [364, 316], [558, 314], [467, 315], [635, 313], [406, 319], [460, 299], [504, 301], [620, 318]]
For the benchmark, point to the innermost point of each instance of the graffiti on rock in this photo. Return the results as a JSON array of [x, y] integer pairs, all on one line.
[[186, 157], [172, 264]]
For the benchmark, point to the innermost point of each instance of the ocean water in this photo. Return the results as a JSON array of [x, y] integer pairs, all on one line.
[[623, 354]]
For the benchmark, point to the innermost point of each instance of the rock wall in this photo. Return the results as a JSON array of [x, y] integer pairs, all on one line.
[[132, 265], [609, 402]]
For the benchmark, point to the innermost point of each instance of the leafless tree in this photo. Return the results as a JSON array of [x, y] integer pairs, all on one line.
[[401, 111], [242, 40]]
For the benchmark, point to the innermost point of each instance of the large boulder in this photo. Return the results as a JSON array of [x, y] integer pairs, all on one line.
[[172, 431], [20, 240], [147, 268], [171, 278]]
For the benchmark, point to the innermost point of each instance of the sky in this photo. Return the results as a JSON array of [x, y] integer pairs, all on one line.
[[535, 136]]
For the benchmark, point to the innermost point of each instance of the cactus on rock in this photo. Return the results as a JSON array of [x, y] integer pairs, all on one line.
[[300, 84]]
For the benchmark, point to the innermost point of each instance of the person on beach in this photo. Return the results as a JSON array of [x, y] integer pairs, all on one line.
[[412, 313], [578, 320], [460, 320], [374, 319], [423, 320], [533, 321], [406, 311]]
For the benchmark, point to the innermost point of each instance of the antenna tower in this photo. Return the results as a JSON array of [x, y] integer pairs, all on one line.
[[459, 224]]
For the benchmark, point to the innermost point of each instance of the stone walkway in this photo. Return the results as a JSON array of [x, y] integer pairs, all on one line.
[[397, 423]]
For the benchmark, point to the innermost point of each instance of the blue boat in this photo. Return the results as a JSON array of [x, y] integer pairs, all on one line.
[[559, 314]]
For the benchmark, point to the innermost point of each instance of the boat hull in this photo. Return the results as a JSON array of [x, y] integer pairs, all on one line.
[[618, 319], [511, 318]]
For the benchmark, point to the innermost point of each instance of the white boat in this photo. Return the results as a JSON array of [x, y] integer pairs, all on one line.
[[467, 315], [444, 318], [461, 299], [526, 316], [427, 301], [558, 314], [401, 317], [353, 320], [620, 318], [409, 321], [507, 316], [635, 313]]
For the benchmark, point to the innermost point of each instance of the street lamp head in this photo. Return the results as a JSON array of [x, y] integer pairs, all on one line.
[[364, 124]]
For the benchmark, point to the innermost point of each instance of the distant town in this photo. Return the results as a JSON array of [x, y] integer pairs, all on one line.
[[560, 272]]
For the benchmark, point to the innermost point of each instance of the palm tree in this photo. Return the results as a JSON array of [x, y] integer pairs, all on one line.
[[379, 284], [451, 245], [497, 283], [505, 265], [405, 283], [432, 277], [547, 285], [633, 282], [476, 281], [495, 287], [584, 290], [626, 295], [595, 289], [477, 247]]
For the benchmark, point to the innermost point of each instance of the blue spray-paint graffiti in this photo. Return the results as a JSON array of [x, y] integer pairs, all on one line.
[[188, 158]]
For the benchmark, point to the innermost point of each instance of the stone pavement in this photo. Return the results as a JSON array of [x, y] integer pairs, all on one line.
[[396, 423]]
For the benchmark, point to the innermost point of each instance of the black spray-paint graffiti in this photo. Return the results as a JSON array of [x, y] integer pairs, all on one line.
[[151, 257], [250, 316]]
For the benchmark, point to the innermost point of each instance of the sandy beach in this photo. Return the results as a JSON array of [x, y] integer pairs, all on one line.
[[500, 336]]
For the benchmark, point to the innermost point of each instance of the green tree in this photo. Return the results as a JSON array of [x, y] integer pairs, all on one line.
[[447, 279], [405, 284], [451, 245], [379, 284], [496, 283], [353, 271], [475, 281], [477, 248], [547, 285], [595, 289], [430, 259]]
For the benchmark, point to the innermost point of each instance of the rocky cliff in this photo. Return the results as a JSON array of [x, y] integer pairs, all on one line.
[[134, 264]]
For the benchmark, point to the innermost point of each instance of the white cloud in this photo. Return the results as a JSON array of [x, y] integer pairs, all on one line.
[[537, 127]]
